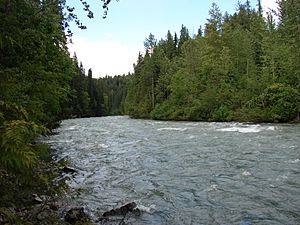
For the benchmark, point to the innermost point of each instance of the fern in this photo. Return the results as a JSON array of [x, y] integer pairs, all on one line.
[[7, 215], [11, 111], [17, 148]]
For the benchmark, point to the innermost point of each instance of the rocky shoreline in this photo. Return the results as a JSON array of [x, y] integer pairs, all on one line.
[[44, 201], [52, 212]]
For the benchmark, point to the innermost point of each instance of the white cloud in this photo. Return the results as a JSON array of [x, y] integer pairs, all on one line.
[[269, 4], [105, 57]]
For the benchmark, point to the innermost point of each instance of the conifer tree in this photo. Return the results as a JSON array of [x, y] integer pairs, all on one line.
[[184, 36]]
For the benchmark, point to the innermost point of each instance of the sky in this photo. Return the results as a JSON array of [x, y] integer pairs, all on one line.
[[110, 46]]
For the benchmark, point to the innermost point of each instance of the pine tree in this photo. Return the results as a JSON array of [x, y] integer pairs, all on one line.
[[260, 9], [199, 33], [150, 43], [184, 36], [169, 46]]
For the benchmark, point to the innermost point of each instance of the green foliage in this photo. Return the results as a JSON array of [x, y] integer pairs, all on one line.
[[35, 65], [95, 97], [17, 136], [17, 152], [222, 114], [282, 102], [277, 103], [114, 90], [35, 72], [243, 68], [86, 99], [36, 92]]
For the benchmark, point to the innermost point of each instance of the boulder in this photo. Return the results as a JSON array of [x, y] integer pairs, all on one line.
[[76, 215], [67, 169], [37, 199], [122, 211]]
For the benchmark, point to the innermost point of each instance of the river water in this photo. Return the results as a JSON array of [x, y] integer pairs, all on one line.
[[184, 172]]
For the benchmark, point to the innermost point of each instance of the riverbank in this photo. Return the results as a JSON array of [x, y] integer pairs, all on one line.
[[33, 196], [240, 119], [42, 197], [38, 196]]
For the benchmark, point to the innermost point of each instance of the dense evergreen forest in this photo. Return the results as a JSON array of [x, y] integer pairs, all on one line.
[[91, 97], [40, 84], [240, 67]]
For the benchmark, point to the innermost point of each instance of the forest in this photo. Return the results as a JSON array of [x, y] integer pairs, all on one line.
[[240, 67], [40, 85]]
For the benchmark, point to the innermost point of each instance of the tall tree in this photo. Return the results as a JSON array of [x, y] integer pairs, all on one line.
[[150, 43], [35, 72], [184, 36], [214, 23], [170, 46]]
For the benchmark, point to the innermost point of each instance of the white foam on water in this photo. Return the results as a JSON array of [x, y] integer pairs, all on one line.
[[65, 141], [71, 128], [281, 177], [102, 145], [242, 128], [172, 129], [150, 123], [293, 146], [294, 161], [245, 128], [271, 128], [133, 142], [212, 187], [194, 124], [147, 209], [246, 173]]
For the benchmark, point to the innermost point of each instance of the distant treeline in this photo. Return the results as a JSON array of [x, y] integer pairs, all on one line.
[[91, 97], [240, 67]]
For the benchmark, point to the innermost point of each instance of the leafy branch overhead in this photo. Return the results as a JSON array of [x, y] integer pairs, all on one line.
[[71, 15]]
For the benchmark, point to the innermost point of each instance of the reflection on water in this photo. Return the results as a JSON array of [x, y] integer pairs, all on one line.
[[185, 172]]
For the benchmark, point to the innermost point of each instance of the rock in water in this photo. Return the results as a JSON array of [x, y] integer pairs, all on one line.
[[67, 169], [127, 208], [76, 215], [37, 199], [122, 211]]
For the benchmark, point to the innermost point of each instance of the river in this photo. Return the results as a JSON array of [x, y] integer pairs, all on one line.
[[184, 172]]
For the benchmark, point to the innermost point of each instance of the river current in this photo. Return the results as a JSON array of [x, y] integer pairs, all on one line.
[[184, 172]]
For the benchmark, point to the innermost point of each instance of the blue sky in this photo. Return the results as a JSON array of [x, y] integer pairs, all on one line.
[[110, 46]]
